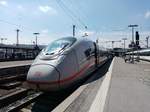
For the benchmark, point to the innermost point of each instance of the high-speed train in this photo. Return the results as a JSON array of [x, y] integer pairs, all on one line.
[[64, 62]]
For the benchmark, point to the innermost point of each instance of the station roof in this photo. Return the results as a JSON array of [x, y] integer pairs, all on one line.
[[20, 46]]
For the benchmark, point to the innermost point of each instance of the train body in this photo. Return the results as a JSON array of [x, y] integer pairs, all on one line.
[[64, 62], [143, 54]]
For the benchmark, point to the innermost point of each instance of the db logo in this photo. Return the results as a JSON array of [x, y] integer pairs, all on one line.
[[38, 74]]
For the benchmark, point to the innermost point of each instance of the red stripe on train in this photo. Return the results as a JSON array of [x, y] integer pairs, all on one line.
[[68, 78]]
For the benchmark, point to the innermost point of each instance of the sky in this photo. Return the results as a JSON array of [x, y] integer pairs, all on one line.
[[106, 20]]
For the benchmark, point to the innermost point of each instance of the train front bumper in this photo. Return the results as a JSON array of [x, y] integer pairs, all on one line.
[[43, 77]]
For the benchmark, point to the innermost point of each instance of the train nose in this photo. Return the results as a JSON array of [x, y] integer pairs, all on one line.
[[43, 74]]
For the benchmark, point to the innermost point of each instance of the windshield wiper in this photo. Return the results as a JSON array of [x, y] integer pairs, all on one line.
[[58, 51], [63, 47], [50, 53]]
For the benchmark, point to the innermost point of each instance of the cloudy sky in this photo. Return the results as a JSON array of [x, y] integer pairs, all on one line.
[[105, 19]]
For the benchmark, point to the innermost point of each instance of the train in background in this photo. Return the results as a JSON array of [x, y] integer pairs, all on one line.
[[64, 62], [142, 54]]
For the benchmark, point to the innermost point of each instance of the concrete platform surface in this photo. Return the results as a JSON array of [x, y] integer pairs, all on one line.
[[129, 89], [15, 63]]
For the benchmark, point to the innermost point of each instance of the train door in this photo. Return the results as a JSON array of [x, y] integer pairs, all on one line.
[[83, 56], [96, 54]]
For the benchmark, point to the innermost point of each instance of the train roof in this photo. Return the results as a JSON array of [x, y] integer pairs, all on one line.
[[140, 51], [78, 39], [20, 46], [145, 50]]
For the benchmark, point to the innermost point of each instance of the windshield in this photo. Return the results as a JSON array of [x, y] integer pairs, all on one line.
[[59, 45]]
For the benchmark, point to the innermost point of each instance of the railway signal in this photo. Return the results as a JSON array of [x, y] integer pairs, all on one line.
[[137, 38], [124, 39]]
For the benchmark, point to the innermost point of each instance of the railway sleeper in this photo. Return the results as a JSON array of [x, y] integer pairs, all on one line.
[[10, 85], [21, 103], [7, 79], [7, 99]]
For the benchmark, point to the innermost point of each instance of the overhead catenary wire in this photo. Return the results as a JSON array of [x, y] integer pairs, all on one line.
[[14, 24], [3, 21], [64, 9], [70, 13], [75, 16], [79, 10], [66, 12], [17, 25]]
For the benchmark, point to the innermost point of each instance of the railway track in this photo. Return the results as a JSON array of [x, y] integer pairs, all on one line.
[[35, 101], [12, 76], [12, 93], [13, 96], [18, 100], [10, 82], [6, 79], [23, 98]]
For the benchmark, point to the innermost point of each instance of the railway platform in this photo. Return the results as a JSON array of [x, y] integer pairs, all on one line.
[[124, 88], [15, 63], [129, 87]]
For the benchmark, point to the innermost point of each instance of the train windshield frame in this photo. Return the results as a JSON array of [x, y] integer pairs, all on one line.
[[59, 45]]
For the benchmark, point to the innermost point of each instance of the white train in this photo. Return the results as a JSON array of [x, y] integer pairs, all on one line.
[[64, 62], [143, 54]]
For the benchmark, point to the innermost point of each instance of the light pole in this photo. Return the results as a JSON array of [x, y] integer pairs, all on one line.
[[17, 43], [112, 44], [132, 43], [147, 38], [124, 39], [36, 34], [133, 26]]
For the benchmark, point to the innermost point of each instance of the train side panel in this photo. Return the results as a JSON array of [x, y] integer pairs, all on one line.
[[68, 69], [86, 57]]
